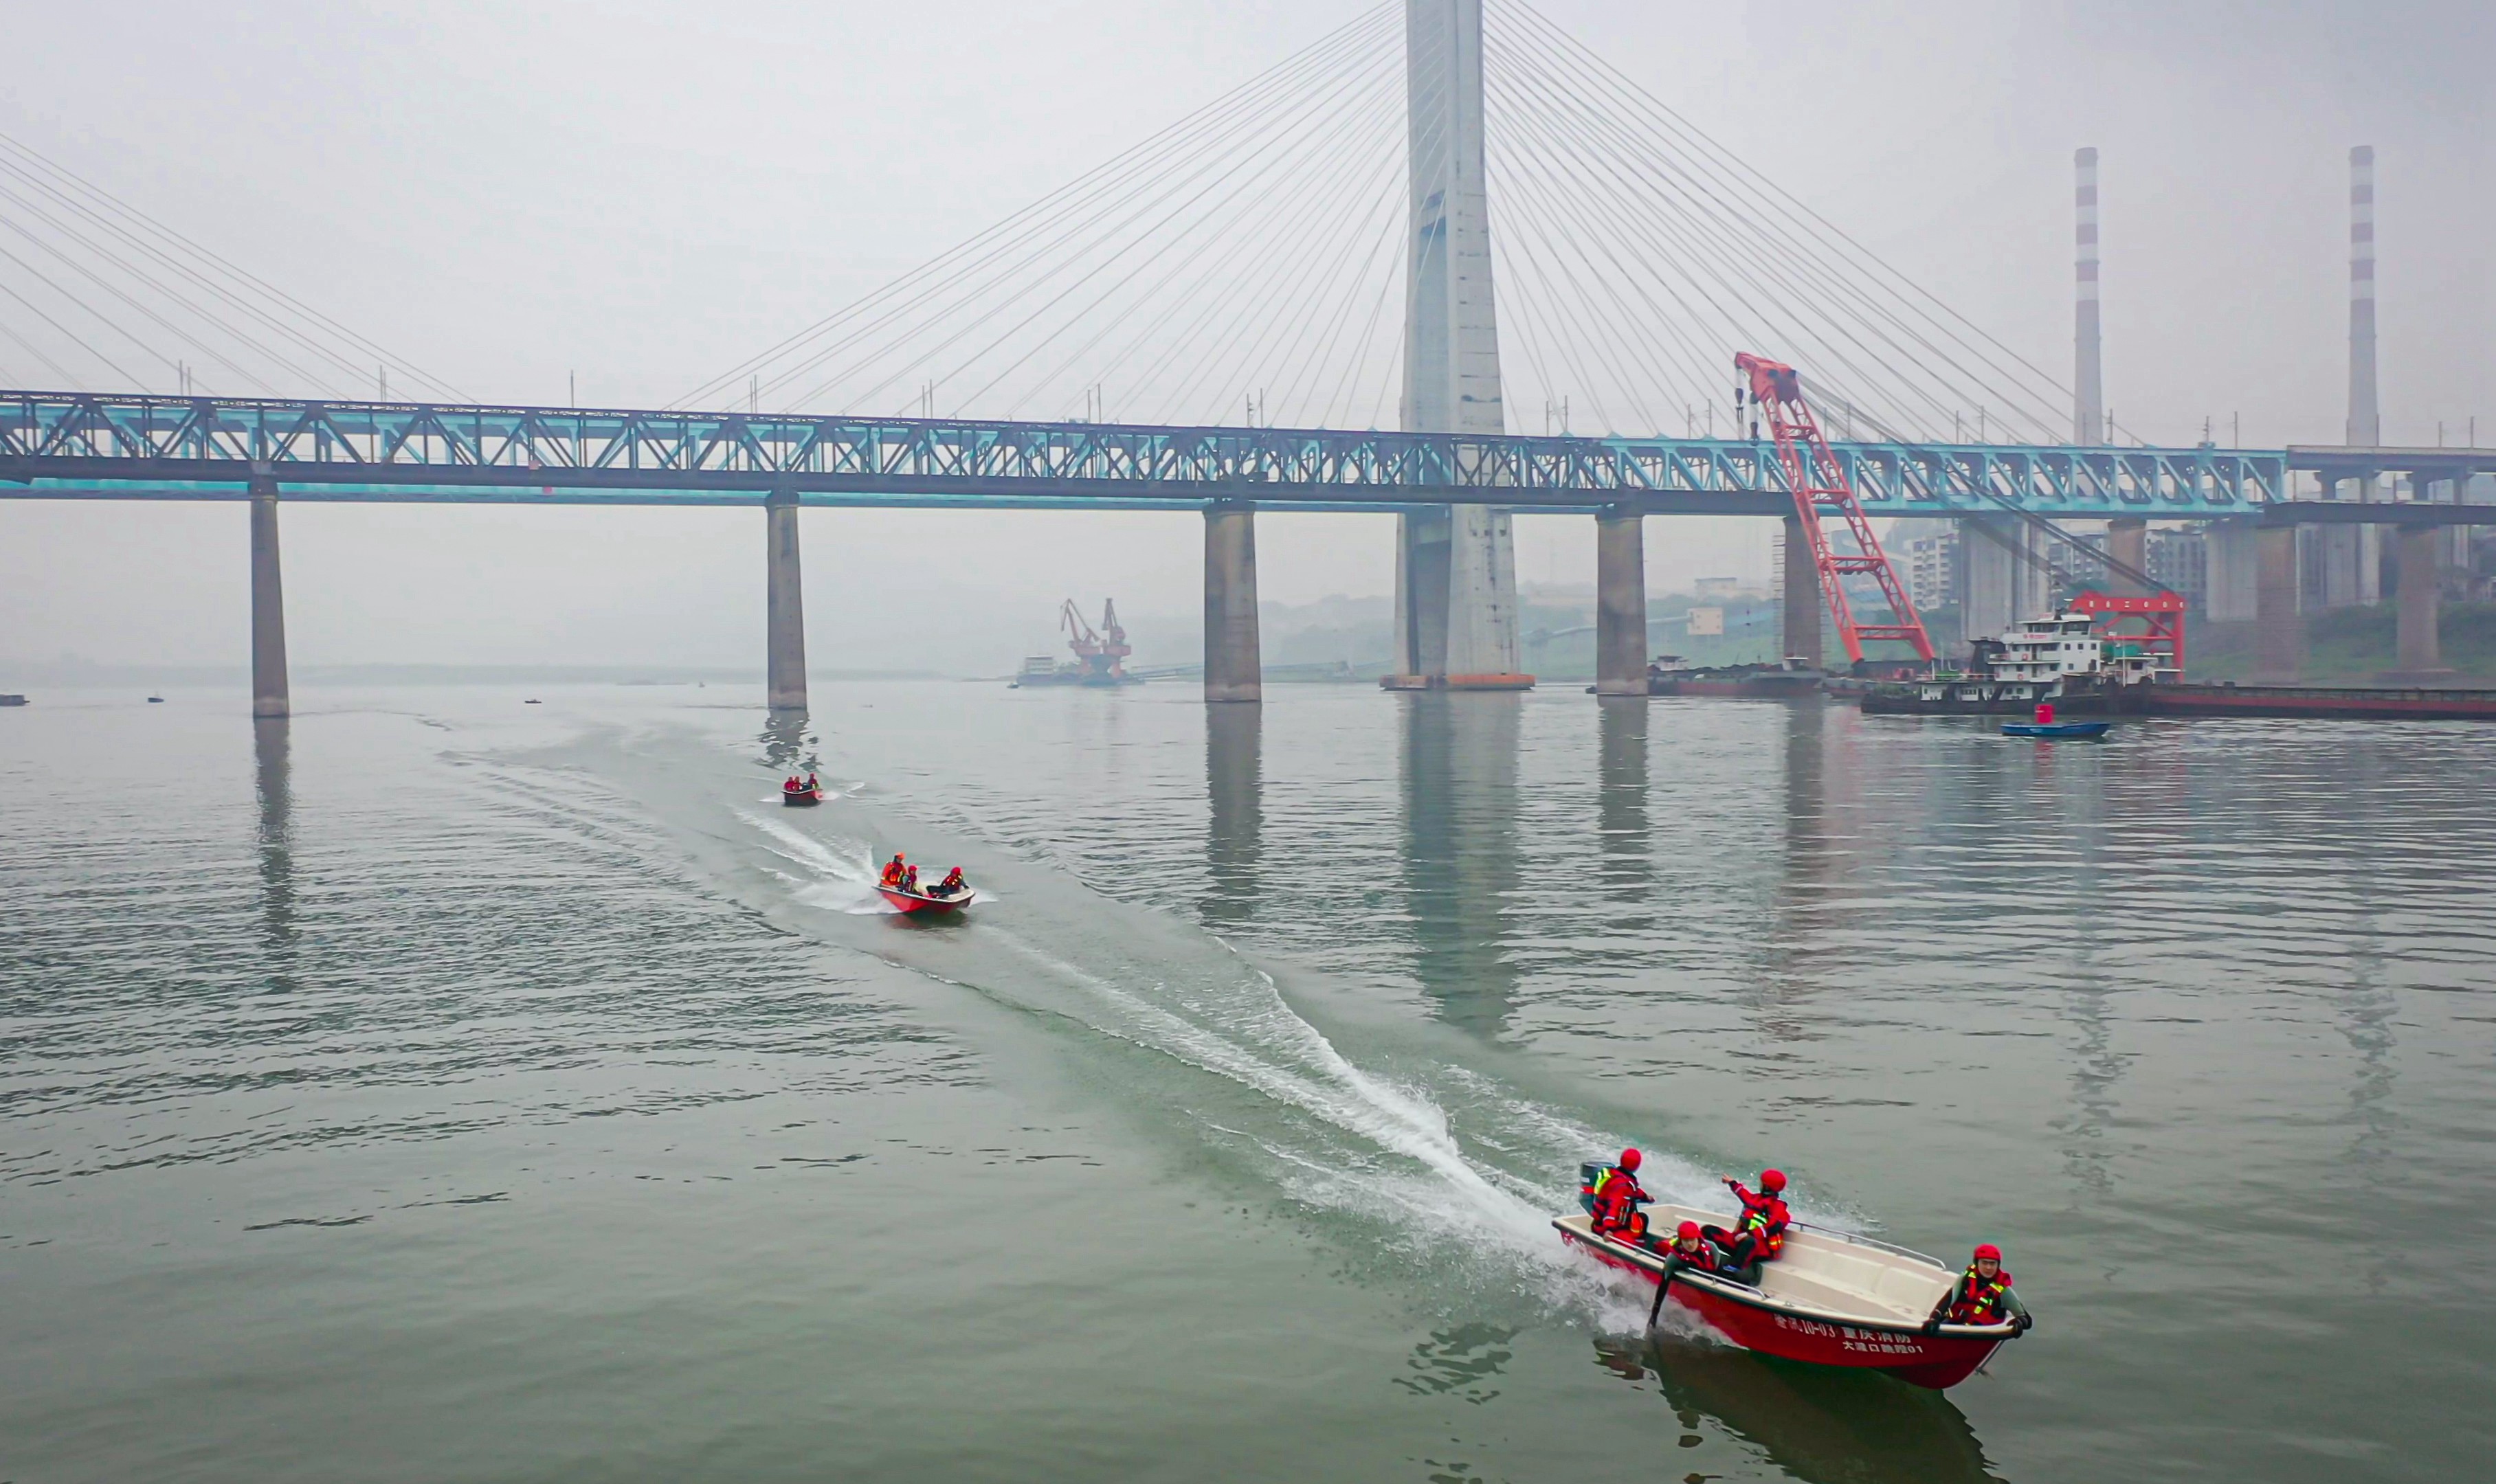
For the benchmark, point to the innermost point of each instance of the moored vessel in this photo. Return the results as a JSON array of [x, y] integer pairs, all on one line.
[[2061, 661], [1792, 678], [2381, 704]]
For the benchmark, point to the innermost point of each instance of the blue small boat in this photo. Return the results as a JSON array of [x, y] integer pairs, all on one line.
[[2055, 728]]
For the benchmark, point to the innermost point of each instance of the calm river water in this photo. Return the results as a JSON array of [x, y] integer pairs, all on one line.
[[440, 1088]]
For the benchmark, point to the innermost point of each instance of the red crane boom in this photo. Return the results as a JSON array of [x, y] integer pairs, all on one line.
[[1821, 490]]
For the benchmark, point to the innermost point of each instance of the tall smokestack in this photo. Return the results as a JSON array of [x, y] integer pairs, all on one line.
[[2088, 403], [2365, 423]]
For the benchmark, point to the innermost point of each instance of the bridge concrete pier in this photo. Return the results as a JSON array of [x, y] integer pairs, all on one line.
[[1421, 559], [784, 606], [2279, 634], [2418, 646], [1233, 665], [1620, 604], [2232, 550], [268, 689], [2128, 542], [1799, 628], [1991, 553]]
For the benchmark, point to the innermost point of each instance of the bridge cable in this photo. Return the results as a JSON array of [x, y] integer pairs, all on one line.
[[1090, 225]]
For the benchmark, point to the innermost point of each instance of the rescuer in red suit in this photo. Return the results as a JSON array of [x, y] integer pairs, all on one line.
[[1691, 1252], [1982, 1295], [1761, 1234], [1617, 1198]]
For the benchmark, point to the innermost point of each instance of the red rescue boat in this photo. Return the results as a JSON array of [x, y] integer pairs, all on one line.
[[801, 797], [906, 900], [1829, 1299]]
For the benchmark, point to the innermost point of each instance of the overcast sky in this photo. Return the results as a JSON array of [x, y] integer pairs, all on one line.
[[646, 193]]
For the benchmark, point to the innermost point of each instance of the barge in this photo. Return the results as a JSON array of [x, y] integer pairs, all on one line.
[[1750, 682], [2375, 703], [2064, 663]]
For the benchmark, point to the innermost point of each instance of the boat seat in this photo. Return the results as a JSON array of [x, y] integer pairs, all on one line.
[[1834, 1275], [1819, 1292]]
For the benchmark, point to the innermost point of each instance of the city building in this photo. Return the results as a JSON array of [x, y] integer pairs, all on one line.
[[2179, 561], [1930, 562]]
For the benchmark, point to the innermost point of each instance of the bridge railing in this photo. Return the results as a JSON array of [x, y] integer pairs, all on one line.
[[77, 443]]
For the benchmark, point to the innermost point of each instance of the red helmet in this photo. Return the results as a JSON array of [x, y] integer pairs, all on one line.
[[1987, 1251], [1629, 1159], [1772, 1180], [1689, 1231]]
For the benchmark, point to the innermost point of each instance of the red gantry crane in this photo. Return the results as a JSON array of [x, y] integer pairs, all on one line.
[[1821, 490]]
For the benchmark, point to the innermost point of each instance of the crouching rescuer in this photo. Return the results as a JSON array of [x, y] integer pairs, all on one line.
[[1982, 1295], [1761, 1234]]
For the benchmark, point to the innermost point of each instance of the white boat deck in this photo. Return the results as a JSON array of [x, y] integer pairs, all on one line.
[[1825, 1274]]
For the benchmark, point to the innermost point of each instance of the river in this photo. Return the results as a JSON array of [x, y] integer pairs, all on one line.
[[441, 1087]]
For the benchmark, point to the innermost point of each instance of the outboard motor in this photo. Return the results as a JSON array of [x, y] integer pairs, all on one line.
[[1590, 1179]]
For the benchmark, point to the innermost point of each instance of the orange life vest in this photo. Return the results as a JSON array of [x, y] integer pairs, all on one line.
[[1980, 1298]]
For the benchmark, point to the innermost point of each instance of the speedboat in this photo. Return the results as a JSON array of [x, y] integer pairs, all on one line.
[[1829, 1299], [909, 902], [2055, 728], [801, 796]]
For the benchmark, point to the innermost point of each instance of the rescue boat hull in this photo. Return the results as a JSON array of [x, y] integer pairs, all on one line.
[[1769, 1324], [2050, 729], [914, 903], [801, 799]]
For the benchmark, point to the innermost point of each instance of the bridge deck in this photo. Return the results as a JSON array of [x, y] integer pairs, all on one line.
[[77, 446]]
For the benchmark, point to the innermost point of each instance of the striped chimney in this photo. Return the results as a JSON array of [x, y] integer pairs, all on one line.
[[2365, 421], [2088, 399]]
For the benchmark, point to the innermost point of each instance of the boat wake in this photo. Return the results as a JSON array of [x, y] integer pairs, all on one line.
[[1442, 1165], [834, 876]]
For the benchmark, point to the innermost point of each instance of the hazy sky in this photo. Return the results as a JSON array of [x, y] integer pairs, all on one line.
[[646, 193]]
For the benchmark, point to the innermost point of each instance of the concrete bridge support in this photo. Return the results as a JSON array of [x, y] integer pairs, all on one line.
[[2279, 637], [1799, 628], [2419, 650], [2128, 542], [269, 693], [1422, 538], [1992, 552], [785, 621], [1233, 665], [1455, 568], [1620, 604], [2235, 562]]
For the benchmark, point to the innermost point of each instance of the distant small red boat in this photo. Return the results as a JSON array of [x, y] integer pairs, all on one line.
[[912, 902], [1829, 1300], [800, 798]]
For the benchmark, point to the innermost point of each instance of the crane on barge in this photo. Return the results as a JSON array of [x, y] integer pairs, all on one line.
[[1100, 654], [1821, 490]]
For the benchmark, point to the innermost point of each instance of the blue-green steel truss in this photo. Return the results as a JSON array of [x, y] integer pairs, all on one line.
[[96, 447]]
